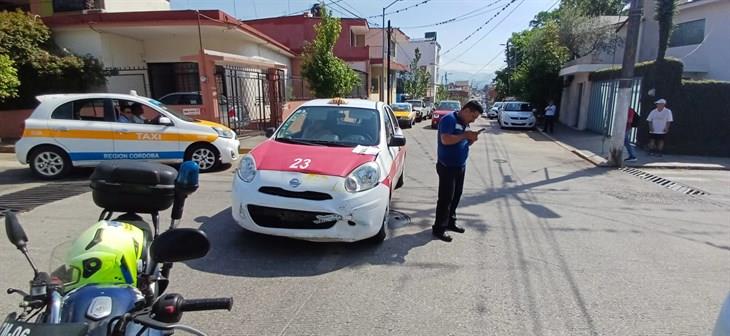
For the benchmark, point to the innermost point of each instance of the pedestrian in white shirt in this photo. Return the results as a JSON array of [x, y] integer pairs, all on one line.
[[659, 121], [550, 117]]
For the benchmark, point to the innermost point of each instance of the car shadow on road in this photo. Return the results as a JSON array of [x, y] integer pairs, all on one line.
[[237, 252]]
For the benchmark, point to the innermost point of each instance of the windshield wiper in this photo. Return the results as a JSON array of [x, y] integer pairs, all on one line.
[[331, 143], [299, 142]]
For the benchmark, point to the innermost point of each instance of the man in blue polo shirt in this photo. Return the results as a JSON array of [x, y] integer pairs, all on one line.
[[454, 139]]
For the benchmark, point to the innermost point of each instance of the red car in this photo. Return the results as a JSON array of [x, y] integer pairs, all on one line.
[[444, 107]]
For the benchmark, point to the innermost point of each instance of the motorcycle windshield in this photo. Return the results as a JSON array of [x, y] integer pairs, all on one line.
[[60, 271]]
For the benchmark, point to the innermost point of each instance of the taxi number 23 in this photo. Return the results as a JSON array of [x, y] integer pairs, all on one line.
[[300, 163]]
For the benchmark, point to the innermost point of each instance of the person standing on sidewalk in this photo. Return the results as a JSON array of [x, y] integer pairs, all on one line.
[[659, 120], [454, 139], [550, 118], [627, 135]]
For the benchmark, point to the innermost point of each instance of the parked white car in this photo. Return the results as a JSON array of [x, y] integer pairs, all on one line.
[[494, 111], [327, 173], [81, 130], [516, 114]]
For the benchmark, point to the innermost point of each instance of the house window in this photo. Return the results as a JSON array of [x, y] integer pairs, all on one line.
[[688, 33], [173, 77], [393, 49], [357, 40], [374, 84], [73, 5]]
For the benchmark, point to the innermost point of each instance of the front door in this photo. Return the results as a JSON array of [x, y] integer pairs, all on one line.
[[143, 138]]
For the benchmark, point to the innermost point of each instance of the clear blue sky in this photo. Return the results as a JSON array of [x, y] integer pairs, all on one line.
[[472, 64]]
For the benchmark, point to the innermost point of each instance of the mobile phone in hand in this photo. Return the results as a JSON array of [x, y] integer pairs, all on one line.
[[482, 130]]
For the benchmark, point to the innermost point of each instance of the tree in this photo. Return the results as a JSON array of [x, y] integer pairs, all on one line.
[[326, 74], [582, 34], [665, 11], [442, 93], [417, 79], [39, 64], [8, 78], [594, 7]]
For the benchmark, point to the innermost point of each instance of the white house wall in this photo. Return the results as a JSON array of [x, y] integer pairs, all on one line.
[[135, 6], [80, 41]]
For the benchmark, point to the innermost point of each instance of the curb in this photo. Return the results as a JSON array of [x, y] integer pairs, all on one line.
[[602, 162], [593, 158], [244, 150]]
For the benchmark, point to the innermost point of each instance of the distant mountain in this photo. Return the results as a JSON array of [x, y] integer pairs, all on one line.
[[478, 80]]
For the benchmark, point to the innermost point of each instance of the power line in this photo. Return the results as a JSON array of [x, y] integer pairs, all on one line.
[[479, 28], [310, 7], [489, 32], [355, 9], [486, 65], [466, 16], [400, 10]]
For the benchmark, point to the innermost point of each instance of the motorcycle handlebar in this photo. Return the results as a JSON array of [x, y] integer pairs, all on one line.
[[207, 304]]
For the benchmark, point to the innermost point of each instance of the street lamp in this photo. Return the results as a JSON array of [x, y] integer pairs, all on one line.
[[382, 52]]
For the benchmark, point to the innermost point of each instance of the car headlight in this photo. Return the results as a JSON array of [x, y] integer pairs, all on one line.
[[223, 133], [246, 169], [363, 178]]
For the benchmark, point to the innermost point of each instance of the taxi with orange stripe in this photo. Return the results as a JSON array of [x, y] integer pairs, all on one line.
[[82, 130], [326, 174]]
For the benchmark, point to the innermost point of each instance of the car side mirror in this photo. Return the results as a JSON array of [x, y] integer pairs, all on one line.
[[15, 232], [397, 141], [179, 245], [270, 132], [165, 121]]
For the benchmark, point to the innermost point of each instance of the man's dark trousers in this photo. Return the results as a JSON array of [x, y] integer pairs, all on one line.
[[549, 124], [451, 185]]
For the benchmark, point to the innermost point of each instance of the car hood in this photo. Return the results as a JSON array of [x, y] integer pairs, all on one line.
[[279, 156], [443, 112], [518, 114], [211, 124]]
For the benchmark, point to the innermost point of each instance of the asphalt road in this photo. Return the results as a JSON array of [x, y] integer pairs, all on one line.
[[554, 246]]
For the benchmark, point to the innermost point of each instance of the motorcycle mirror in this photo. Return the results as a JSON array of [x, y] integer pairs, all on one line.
[[179, 245], [15, 232]]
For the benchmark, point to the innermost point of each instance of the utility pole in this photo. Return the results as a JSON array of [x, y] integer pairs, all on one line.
[[620, 112], [390, 32], [382, 51]]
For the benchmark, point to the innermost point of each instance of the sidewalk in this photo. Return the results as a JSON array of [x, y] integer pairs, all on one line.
[[594, 148]]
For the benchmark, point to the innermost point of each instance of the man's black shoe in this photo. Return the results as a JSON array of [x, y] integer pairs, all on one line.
[[443, 236], [455, 228]]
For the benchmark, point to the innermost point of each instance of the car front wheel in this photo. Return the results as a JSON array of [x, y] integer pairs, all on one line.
[[382, 233], [49, 163], [206, 156]]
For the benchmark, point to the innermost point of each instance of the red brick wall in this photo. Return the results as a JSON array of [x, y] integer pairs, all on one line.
[[12, 123]]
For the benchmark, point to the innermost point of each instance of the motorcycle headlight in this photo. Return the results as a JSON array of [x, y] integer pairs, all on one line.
[[246, 169], [223, 133], [363, 178]]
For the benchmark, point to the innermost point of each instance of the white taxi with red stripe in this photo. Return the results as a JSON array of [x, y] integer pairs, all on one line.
[[68, 130], [327, 173]]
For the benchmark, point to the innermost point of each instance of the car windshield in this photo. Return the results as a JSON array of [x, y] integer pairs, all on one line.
[[401, 107], [522, 107], [453, 106], [171, 111], [331, 126]]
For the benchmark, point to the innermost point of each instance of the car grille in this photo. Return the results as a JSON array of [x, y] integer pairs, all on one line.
[[289, 219], [308, 195]]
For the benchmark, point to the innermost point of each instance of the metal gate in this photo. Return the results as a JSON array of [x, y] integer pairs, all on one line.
[[604, 95], [249, 98]]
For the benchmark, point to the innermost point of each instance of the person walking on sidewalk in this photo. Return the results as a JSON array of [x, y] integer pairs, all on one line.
[[454, 139], [550, 118], [659, 120], [627, 135]]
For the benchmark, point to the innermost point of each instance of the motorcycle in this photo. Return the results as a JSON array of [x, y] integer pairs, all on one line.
[[93, 292]]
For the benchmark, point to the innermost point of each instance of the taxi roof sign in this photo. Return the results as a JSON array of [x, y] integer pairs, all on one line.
[[338, 101]]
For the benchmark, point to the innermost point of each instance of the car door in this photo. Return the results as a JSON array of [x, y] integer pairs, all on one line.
[[149, 141], [83, 128]]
